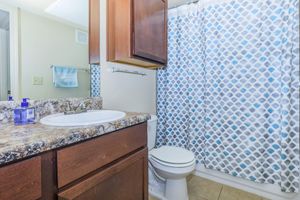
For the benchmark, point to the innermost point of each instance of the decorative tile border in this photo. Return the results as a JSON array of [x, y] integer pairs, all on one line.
[[95, 80]]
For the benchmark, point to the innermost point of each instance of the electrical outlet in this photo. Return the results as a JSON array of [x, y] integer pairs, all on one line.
[[37, 80]]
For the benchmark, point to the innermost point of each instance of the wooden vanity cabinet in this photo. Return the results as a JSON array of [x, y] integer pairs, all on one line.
[[81, 159], [109, 167], [137, 32], [124, 180]]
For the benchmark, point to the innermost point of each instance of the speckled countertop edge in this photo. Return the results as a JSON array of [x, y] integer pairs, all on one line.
[[19, 142]]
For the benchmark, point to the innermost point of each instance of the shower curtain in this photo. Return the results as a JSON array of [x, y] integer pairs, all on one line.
[[4, 63], [230, 91]]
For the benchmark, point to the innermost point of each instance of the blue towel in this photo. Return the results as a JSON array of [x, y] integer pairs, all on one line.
[[65, 77]]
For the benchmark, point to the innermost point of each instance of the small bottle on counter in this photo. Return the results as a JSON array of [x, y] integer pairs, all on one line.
[[24, 114], [10, 98]]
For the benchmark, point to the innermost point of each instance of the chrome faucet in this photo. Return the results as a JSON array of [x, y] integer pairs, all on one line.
[[81, 108]]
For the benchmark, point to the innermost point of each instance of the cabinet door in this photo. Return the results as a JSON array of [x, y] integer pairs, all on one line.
[[21, 180], [94, 31], [125, 180], [150, 30]]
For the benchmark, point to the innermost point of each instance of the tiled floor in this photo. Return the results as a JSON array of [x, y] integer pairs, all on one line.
[[203, 189]]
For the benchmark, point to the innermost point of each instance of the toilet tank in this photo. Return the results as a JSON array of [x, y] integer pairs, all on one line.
[[151, 130]]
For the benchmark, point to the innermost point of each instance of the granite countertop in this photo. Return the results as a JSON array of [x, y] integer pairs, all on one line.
[[17, 142]]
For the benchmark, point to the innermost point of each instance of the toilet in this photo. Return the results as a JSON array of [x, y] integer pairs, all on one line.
[[171, 164]]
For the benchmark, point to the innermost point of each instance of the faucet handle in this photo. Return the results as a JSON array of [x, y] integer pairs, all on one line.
[[82, 105], [80, 108]]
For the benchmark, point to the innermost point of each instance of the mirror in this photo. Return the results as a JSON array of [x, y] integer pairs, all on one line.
[[44, 49], [4, 56]]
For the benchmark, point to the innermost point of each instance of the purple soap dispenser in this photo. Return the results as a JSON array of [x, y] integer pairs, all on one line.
[[24, 114]]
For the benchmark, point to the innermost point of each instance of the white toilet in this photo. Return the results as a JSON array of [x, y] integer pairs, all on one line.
[[173, 164]]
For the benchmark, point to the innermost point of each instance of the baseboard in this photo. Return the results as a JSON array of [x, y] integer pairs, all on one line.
[[268, 191]]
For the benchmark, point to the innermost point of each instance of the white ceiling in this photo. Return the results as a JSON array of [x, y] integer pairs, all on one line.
[[75, 11], [33, 5], [72, 11], [4, 20]]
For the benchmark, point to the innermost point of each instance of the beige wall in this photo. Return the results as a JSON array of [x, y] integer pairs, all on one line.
[[45, 42], [125, 91]]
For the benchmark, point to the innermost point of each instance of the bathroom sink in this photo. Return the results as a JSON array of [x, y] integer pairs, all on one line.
[[82, 119]]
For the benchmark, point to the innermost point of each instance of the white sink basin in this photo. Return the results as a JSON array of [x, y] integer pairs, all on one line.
[[82, 119]]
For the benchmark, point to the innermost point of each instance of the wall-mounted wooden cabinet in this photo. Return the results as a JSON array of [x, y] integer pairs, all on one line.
[[137, 32], [94, 32]]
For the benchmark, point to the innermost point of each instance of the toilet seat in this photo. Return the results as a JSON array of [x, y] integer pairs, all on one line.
[[172, 165], [172, 156]]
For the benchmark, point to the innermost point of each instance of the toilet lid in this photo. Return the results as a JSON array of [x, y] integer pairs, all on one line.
[[174, 155]]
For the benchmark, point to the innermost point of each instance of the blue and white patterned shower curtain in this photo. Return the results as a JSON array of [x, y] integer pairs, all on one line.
[[230, 92]]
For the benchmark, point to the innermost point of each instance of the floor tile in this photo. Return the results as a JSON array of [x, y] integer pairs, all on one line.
[[196, 198], [203, 189], [189, 177], [230, 193]]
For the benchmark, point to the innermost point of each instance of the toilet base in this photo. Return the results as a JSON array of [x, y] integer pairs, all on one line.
[[176, 189]]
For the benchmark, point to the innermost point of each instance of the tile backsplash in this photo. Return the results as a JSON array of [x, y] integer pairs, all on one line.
[[48, 106], [95, 80]]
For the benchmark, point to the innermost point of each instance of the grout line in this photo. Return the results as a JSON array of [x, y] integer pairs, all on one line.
[[220, 192]]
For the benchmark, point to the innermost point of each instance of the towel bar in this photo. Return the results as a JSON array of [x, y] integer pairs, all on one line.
[[116, 70], [80, 69]]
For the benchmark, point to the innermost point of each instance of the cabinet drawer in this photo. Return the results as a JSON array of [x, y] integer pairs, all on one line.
[[79, 160], [21, 180], [125, 180]]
